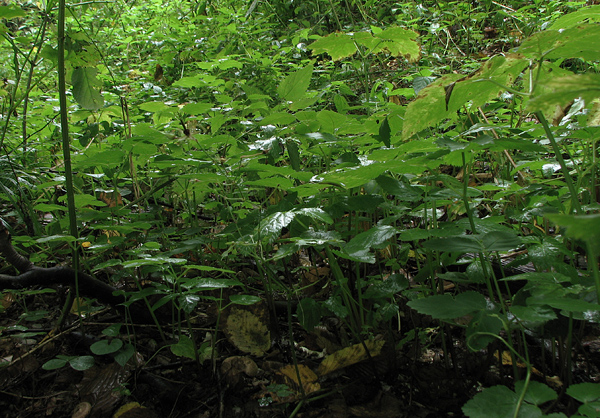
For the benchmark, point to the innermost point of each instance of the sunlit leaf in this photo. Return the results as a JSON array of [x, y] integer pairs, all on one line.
[[294, 86]]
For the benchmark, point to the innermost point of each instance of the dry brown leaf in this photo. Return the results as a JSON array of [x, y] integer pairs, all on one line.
[[349, 356]]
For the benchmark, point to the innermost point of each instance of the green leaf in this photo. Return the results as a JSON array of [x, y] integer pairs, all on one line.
[[337, 45], [294, 86], [81, 363], [484, 323], [84, 88], [582, 227], [584, 15], [123, 356], [10, 12], [537, 393], [184, 348], [210, 284], [384, 133], [208, 268], [106, 347], [188, 302], [447, 307], [560, 91], [498, 402], [56, 238], [500, 241], [585, 392], [374, 237], [197, 108], [400, 42], [278, 118], [244, 299], [54, 364], [386, 288], [461, 244], [309, 313]]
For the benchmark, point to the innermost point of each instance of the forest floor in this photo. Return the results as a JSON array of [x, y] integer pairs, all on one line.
[[407, 375]]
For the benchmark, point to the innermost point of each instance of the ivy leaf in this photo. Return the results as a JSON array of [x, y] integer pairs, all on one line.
[[84, 88]]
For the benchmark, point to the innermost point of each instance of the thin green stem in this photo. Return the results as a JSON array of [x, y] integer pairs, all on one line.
[[575, 204]]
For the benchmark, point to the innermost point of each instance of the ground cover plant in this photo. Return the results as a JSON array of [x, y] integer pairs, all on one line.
[[333, 208]]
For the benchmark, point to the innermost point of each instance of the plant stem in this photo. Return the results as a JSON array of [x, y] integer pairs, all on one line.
[[563, 166]]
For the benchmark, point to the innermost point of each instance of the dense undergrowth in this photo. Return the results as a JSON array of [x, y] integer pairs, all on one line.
[[359, 161]]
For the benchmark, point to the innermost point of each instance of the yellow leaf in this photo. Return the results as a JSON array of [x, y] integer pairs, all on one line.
[[349, 356]]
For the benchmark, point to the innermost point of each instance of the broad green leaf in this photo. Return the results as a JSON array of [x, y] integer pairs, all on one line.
[[429, 108], [82, 363], [56, 238], [45, 207], [208, 268], [585, 392], [401, 190], [444, 97], [386, 288], [374, 237], [244, 299], [106, 347], [461, 244], [154, 107], [584, 15], [210, 284], [54, 364], [500, 241], [197, 108], [85, 86], [448, 307], [483, 323], [336, 307], [570, 305], [278, 118], [582, 41], [384, 133], [309, 313], [112, 331], [83, 200], [10, 12], [498, 402], [273, 223], [337, 45], [294, 86], [533, 314], [188, 302], [582, 227], [123, 356], [400, 42], [560, 91], [154, 261], [330, 121], [184, 348], [317, 214], [537, 393]]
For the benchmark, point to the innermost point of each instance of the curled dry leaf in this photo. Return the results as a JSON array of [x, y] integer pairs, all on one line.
[[349, 356]]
